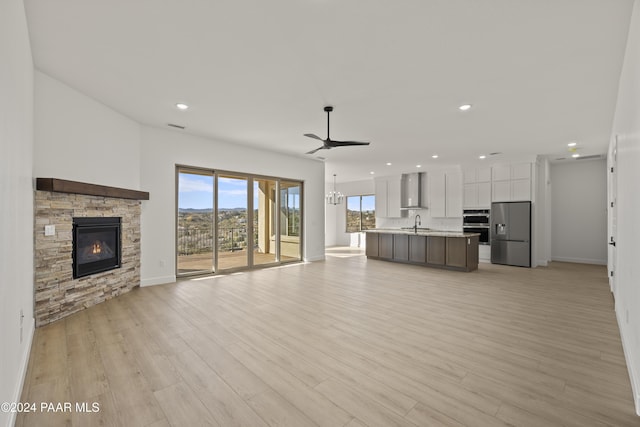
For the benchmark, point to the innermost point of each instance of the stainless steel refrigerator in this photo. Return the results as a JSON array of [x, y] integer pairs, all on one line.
[[511, 233]]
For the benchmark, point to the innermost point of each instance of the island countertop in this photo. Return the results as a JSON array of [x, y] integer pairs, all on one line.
[[423, 232]]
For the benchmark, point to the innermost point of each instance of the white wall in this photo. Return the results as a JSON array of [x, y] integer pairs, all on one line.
[[627, 275], [579, 211], [163, 149], [69, 126], [16, 208]]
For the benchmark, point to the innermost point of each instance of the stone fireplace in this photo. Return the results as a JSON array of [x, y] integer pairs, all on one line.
[[104, 222]]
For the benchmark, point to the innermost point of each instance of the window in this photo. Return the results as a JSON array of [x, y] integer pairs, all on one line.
[[361, 213]]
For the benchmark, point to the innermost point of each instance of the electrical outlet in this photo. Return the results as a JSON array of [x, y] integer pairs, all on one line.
[[161, 263], [49, 230]]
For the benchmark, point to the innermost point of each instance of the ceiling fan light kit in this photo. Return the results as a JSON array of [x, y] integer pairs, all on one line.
[[330, 143]]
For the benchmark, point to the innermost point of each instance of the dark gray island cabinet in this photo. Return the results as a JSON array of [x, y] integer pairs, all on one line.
[[449, 250]]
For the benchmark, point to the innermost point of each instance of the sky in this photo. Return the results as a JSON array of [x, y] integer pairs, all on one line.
[[196, 192], [368, 203]]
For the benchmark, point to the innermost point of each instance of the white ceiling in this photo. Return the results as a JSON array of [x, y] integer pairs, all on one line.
[[539, 73]]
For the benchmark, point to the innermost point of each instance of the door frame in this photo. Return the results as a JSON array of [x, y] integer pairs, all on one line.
[[612, 208], [250, 210]]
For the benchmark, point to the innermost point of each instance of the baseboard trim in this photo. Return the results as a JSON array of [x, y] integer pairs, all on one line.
[[157, 281], [316, 258], [24, 365], [580, 260], [633, 376]]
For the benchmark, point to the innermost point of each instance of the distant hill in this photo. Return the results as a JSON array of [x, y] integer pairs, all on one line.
[[192, 210]]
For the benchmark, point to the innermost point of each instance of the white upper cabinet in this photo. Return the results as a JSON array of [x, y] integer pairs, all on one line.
[[484, 174], [521, 171], [453, 194], [511, 182], [484, 194], [477, 188], [445, 194], [388, 197]]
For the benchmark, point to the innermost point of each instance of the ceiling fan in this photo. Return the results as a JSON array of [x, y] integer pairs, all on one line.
[[330, 143]]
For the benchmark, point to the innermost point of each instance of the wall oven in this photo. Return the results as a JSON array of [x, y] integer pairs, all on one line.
[[477, 221]]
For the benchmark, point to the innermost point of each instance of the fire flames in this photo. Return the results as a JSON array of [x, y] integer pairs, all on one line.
[[96, 248]]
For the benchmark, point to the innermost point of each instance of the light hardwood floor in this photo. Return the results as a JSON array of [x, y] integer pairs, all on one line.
[[344, 342]]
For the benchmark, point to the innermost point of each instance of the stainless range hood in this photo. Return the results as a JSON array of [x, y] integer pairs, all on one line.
[[412, 191]]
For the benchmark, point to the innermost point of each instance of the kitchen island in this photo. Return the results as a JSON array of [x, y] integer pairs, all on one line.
[[430, 248]]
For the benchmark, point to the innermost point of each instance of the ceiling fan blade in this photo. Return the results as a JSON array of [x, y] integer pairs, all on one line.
[[348, 143], [313, 151], [310, 135]]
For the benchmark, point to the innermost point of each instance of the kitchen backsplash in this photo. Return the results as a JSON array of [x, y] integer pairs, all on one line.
[[445, 224]]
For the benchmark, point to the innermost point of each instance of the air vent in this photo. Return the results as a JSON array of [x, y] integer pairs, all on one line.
[[175, 126], [594, 156]]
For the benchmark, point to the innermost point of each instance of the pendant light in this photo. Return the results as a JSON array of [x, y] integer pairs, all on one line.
[[334, 197]]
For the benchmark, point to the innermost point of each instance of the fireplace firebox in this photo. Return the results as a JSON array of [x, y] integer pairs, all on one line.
[[96, 245]]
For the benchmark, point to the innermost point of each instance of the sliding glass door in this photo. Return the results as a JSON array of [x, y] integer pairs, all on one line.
[[194, 236], [264, 222], [290, 220], [227, 221], [232, 222]]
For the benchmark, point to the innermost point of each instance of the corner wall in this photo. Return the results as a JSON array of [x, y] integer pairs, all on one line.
[[16, 209], [626, 129]]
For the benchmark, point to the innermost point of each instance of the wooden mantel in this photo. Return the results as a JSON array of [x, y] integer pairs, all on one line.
[[74, 187]]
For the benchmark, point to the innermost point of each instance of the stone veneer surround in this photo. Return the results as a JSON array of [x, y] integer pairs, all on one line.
[[57, 293]]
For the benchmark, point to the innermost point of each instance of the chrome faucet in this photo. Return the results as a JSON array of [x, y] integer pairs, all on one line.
[[417, 221]]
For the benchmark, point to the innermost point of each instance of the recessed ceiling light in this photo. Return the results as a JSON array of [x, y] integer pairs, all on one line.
[[435, 156], [181, 106], [388, 164], [418, 166], [572, 144], [575, 155], [464, 107], [482, 157], [372, 172]]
